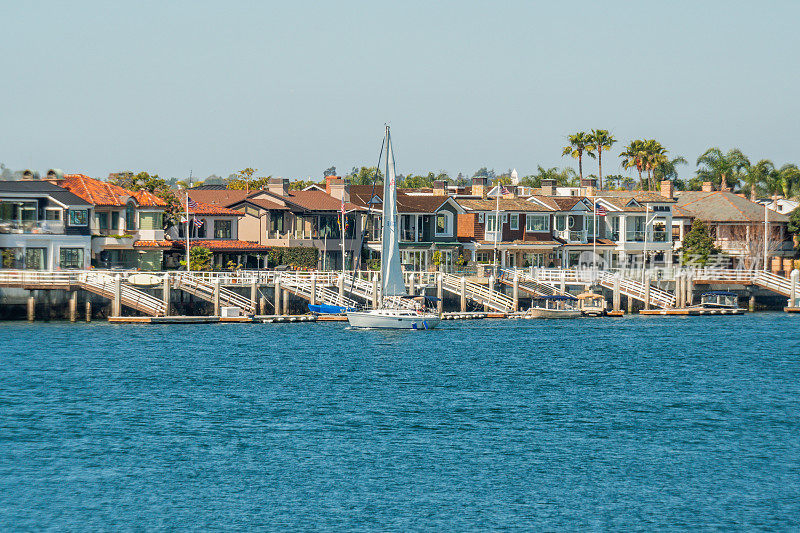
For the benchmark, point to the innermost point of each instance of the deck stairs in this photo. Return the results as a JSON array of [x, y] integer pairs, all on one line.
[[300, 285], [478, 293], [204, 290], [103, 285], [362, 288], [529, 284], [764, 279]]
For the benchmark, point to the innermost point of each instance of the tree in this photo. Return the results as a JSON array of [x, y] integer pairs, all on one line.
[[365, 176], [418, 182], [297, 185], [633, 156], [580, 143], [757, 177], [244, 180], [698, 245], [721, 169], [483, 172], [330, 171], [668, 169], [199, 258], [565, 177], [794, 225], [789, 180], [601, 140]]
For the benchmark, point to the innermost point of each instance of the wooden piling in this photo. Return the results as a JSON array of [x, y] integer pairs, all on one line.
[[278, 294], [254, 293], [88, 309], [752, 304], [617, 298], [411, 284], [795, 278], [216, 297], [285, 301], [262, 306], [341, 287], [313, 298], [515, 291], [630, 304], [31, 308], [116, 304], [439, 292], [375, 291], [647, 292], [463, 294], [73, 306], [166, 294], [689, 289]]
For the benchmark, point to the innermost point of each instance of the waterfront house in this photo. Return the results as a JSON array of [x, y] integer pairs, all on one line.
[[428, 225], [43, 227], [216, 228], [735, 223], [127, 226]]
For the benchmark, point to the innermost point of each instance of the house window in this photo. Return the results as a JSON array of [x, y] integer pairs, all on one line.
[[78, 217], [150, 221], [561, 222], [130, 218], [492, 222], [222, 229], [70, 258], [52, 214], [443, 224], [483, 257], [513, 221], [537, 223], [35, 258], [571, 221], [481, 218], [590, 226], [101, 220], [115, 220]]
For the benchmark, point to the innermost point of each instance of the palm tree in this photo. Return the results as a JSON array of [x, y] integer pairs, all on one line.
[[668, 170], [564, 177], [654, 155], [721, 169], [601, 140], [579, 144], [789, 180], [756, 176], [634, 156]]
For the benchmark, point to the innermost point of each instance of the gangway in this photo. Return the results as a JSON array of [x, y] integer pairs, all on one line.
[[105, 285], [204, 290]]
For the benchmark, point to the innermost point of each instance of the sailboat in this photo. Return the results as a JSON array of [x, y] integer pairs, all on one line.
[[389, 314]]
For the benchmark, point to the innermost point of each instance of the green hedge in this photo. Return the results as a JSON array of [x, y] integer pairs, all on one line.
[[296, 257]]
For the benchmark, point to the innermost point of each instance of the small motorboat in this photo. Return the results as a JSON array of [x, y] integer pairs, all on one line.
[[558, 306], [325, 309], [592, 304], [719, 300]]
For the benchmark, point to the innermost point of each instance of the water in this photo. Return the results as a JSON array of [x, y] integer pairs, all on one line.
[[635, 423]]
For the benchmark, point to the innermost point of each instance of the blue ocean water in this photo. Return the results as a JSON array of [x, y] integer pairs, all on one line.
[[644, 423]]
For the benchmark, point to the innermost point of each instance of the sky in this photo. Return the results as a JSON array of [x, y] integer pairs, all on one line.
[[292, 88]]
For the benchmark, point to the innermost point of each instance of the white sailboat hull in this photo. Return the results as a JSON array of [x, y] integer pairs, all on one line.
[[392, 319]]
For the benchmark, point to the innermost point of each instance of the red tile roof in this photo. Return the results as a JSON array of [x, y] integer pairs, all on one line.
[[224, 245], [204, 208], [153, 244], [106, 194]]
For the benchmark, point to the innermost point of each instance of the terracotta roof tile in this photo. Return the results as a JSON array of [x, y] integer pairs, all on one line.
[[223, 245], [204, 208], [102, 193], [153, 244]]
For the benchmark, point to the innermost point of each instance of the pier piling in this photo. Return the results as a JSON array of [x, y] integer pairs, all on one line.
[[312, 300], [254, 293], [647, 292], [73, 306], [463, 294], [617, 298], [216, 297], [262, 306], [88, 310], [165, 294], [439, 292], [689, 288], [375, 291], [752, 304], [278, 293], [411, 284], [31, 308], [515, 292], [341, 286], [285, 301], [116, 304], [794, 277]]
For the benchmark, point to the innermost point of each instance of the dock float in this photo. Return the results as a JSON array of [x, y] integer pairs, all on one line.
[[792, 309], [163, 319], [691, 312], [280, 319], [463, 316], [615, 313]]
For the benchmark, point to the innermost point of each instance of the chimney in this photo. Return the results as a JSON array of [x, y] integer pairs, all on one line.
[[667, 189], [589, 186], [279, 186], [512, 192], [439, 188], [479, 187], [548, 187], [30, 175], [708, 186], [338, 188]]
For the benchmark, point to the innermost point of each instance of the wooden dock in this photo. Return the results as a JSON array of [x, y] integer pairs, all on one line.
[[792, 309]]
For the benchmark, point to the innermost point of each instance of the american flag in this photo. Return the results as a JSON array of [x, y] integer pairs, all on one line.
[[600, 211], [505, 191], [191, 203], [198, 222]]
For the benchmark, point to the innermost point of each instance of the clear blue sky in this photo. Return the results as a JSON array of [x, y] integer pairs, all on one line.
[[293, 87]]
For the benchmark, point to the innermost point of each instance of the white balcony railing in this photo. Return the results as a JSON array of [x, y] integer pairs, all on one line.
[[32, 226]]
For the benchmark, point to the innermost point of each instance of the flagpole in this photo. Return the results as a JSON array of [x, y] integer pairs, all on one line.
[[594, 232], [497, 225], [188, 264]]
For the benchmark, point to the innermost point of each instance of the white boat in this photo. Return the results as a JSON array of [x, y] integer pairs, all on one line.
[[554, 307], [390, 314]]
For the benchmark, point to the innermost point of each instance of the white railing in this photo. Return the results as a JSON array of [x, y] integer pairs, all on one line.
[[104, 285], [478, 293]]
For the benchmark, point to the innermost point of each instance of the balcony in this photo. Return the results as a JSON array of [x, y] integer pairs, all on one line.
[[659, 236], [52, 227], [635, 236]]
